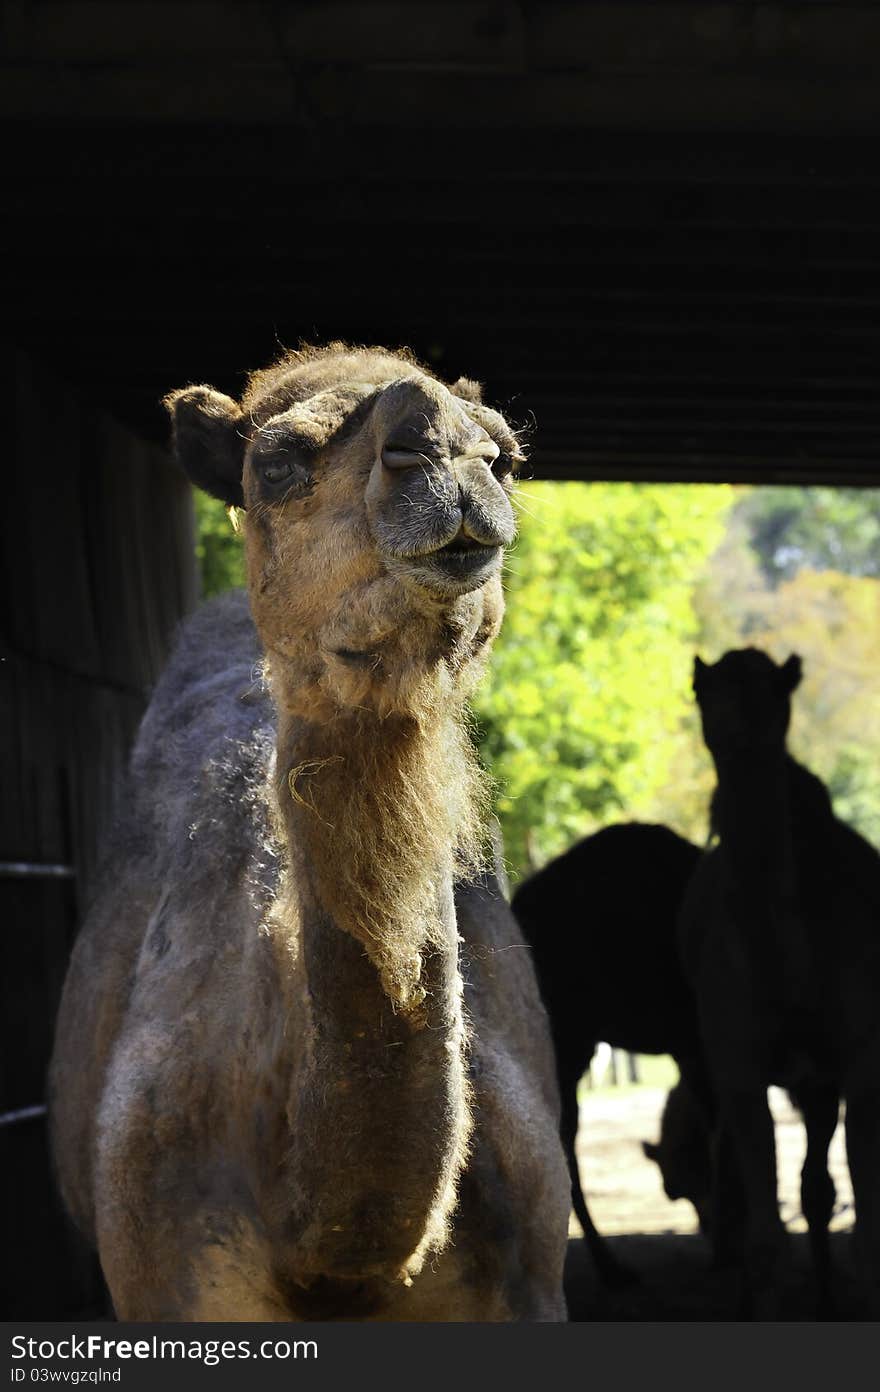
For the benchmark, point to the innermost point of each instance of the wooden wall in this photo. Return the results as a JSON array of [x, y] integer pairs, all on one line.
[[97, 571]]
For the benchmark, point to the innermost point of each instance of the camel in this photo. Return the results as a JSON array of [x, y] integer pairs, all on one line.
[[683, 1153], [298, 1074], [601, 922], [780, 935]]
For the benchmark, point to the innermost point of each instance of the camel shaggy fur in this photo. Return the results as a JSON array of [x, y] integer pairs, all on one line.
[[781, 939], [297, 1074], [601, 922]]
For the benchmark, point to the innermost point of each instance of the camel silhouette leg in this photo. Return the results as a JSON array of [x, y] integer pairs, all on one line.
[[728, 1207], [863, 1157], [747, 1115], [609, 1269], [820, 1108], [726, 1225]]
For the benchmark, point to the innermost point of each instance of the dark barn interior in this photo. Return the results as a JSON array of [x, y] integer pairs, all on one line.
[[650, 227]]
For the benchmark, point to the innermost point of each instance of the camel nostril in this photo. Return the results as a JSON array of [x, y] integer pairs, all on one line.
[[502, 467]]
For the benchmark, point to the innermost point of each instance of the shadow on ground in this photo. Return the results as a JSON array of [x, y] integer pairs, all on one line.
[[676, 1282]]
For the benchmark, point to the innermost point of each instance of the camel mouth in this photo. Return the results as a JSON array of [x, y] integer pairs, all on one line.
[[463, 555], [462, 565]]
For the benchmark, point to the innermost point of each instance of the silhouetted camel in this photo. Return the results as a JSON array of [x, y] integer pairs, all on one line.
[[683, 1154], [780, 933], [600, 921]]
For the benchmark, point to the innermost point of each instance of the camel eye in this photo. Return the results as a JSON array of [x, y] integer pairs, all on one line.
[[502, 467], [276, 470]]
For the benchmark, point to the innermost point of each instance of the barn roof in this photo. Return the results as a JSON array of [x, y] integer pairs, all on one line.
[[650, 226]]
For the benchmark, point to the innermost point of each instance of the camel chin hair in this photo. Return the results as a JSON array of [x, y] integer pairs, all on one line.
[[379, 809]]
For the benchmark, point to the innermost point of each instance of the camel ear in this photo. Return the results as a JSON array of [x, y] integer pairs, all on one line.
[[208, 441], [468, 390], [790, 673], [700, 670], [652, 1150]]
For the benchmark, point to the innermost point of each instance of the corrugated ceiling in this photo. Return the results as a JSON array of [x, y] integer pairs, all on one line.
[[650, 228]]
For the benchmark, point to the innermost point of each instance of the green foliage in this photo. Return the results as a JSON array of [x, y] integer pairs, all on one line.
[[218, 546], [833, 621], [854, 785], [590, 676], [791, 529]]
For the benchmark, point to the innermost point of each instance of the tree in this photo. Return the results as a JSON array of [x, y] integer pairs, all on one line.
[[590, 680], [219, 551], [792, 529]]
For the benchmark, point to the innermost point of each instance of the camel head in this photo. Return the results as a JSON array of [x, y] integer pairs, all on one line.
[[376, 512], [745, 703], [685, 1170]]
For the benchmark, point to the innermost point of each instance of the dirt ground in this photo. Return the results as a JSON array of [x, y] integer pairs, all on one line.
[[660, 1240]]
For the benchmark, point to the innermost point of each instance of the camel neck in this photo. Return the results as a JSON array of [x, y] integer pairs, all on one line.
[[752, 815], [378, 815], [382, 1086]]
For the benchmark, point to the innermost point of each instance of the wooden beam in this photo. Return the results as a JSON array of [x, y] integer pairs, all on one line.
[[455, 103], [461, 67], [589, 466]]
